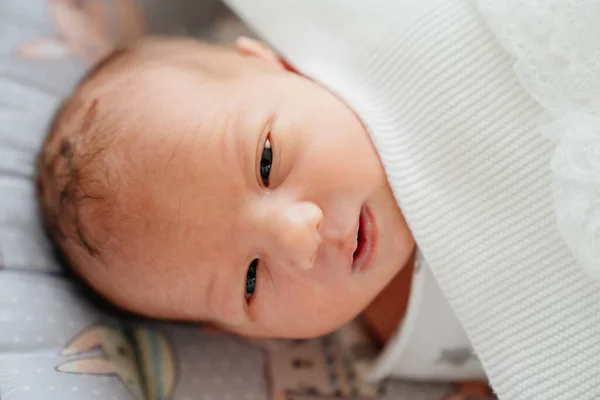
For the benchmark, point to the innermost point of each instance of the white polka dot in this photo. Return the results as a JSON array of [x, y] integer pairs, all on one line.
[[16, 339], [74, 389], [4, 318], [72, 323], [50, 388], [26, 388], [14, 300], [39, 339], [39, 370], [51, 320], [29, 318], [14, 371], [96, 393]]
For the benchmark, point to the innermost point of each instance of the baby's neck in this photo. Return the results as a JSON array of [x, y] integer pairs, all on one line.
[[383, 316]]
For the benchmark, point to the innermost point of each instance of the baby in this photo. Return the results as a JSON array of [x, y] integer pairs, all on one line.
[[194, 182]]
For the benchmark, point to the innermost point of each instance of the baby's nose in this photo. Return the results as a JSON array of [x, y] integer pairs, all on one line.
[[298, 236]]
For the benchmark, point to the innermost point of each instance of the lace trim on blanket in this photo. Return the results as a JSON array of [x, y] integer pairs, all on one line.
[[557, 48]]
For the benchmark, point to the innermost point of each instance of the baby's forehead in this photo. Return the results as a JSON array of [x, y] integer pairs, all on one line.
[[180, 169]]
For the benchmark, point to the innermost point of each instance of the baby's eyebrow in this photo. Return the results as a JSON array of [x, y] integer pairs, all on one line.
[[242, 140], [243, 153], [224, 292], [212, 297]]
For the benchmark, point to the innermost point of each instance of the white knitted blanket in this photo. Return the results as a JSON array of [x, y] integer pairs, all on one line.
[[458, 135]]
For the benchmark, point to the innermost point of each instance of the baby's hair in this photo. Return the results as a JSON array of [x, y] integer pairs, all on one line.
[[62, 182]]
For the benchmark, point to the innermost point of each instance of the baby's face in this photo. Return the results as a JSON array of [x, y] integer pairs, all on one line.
[[256, 201]]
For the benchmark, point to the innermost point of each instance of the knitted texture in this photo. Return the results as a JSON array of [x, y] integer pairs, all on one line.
[[457, 135]]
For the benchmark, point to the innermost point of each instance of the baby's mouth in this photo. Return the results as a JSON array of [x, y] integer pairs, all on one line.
[[359, 241], [366, 239]]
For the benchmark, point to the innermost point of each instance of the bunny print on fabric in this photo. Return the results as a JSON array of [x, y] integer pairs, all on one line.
[[148, 368]]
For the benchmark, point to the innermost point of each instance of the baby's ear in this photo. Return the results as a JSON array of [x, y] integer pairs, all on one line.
[[255, 48]]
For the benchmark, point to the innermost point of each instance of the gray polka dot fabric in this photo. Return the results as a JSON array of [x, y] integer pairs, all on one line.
[[40, 314], [56, 341]]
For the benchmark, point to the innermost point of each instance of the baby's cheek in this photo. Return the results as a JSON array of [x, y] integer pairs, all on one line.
[[313, 314]]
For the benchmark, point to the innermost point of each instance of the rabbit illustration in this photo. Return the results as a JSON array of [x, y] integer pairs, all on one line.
[[157, 363], [118, 358], [88, 29]]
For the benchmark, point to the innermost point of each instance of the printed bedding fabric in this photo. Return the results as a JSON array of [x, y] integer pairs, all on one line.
[[55, 343]]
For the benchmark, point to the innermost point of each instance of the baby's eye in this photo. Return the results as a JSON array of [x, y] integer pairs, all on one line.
[[251, 279], [266, 160]]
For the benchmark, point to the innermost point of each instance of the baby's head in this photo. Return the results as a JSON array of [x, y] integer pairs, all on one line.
[[195, 182]]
